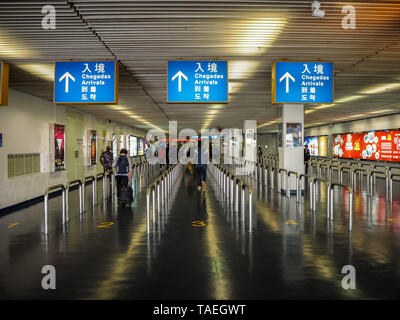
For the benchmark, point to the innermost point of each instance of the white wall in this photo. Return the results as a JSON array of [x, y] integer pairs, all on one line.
[[24, 124]]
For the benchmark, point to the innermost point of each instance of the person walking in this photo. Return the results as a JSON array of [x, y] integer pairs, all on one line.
[[107, 159], [201, 168], [123, 171]]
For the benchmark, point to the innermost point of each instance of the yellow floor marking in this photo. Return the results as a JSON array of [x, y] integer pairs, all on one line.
[[394, 220], [198, 224], [291, 222], [12, 225], [105, 225]]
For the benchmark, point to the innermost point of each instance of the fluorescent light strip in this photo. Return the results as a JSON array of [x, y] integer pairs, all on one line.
[[381, 88]]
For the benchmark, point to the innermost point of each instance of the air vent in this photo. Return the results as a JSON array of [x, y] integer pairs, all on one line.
[[23, 164]]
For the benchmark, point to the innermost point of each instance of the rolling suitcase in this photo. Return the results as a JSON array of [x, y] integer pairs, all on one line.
[[126, 196]]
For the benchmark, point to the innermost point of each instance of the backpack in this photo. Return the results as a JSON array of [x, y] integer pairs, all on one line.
[[123, 165]]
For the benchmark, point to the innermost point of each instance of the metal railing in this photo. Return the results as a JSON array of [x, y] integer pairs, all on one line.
[[274, 172], [221, 174], [94, 190], [162, 186], [313, 191], [392, 175], [49, 190], [372, 182], [102, 176], [350, 175], [68, 186], [282, 178], [289, 173], [329, 206], [356, 173], [299, 186]]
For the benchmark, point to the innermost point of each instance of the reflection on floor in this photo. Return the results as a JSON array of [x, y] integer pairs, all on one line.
[[200, 248]]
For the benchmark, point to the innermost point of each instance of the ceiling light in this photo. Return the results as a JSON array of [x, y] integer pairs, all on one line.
[[381, 111], [381, 88], [257, 35], [348, 99], [43, 71], [325, 106]]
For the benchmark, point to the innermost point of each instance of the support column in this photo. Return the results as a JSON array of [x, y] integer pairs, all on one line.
[[290, 144]]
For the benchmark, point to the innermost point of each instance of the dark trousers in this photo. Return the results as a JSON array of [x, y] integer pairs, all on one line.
[[201, 173], [122, 182]]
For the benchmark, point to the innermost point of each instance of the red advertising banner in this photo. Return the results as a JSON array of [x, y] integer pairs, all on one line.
[[377, 145], [59, 139]]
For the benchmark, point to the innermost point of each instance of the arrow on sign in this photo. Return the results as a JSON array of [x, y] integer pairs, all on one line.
[[66, 76], [180, 75], [287, 76]]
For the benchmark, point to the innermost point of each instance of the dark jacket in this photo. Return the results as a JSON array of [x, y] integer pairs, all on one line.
[[306, 155]]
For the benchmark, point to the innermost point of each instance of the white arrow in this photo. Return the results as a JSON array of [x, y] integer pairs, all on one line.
[[66, 76], [286, 76], [180, 75]]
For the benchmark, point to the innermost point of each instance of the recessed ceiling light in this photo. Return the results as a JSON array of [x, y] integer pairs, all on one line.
[[381, 88], [348, 99]]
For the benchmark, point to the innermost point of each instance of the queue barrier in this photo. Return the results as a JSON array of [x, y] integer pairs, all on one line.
[[266, 169], [372, 182], [48, 191], [299, 183], [333, 167], [313, 191], [68, 186], [274, 172], [102, 176], [326, 171], [220, 174], [349, 170], [162, 185], [289, 173], [356, 173], [94, 190], [329, 206], [393, 175], [280, 172]]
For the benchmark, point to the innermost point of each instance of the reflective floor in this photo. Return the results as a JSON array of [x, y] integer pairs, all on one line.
[[200, 248]]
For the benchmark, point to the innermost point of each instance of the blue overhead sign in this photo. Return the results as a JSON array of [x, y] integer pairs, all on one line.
[[302, 82], [200, 81], [86, 82]]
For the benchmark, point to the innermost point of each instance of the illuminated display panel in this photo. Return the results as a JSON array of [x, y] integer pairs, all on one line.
[[140, 147], [312, 143], [323, 146], [374, 145], [133, 146]]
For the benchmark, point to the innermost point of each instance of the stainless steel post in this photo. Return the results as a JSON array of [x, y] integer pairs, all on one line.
[[46, 210], [250, 212], [83, 194], [242, 203], [158, 196], [80, 198], [148, 211], [64, 218], [153, 191], [237, 197], [351, 212], [94, 191]]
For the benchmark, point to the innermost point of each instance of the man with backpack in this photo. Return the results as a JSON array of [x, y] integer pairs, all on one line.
[[123, 171]]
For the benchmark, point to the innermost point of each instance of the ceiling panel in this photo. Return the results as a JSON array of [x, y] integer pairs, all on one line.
[[143, 35]]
